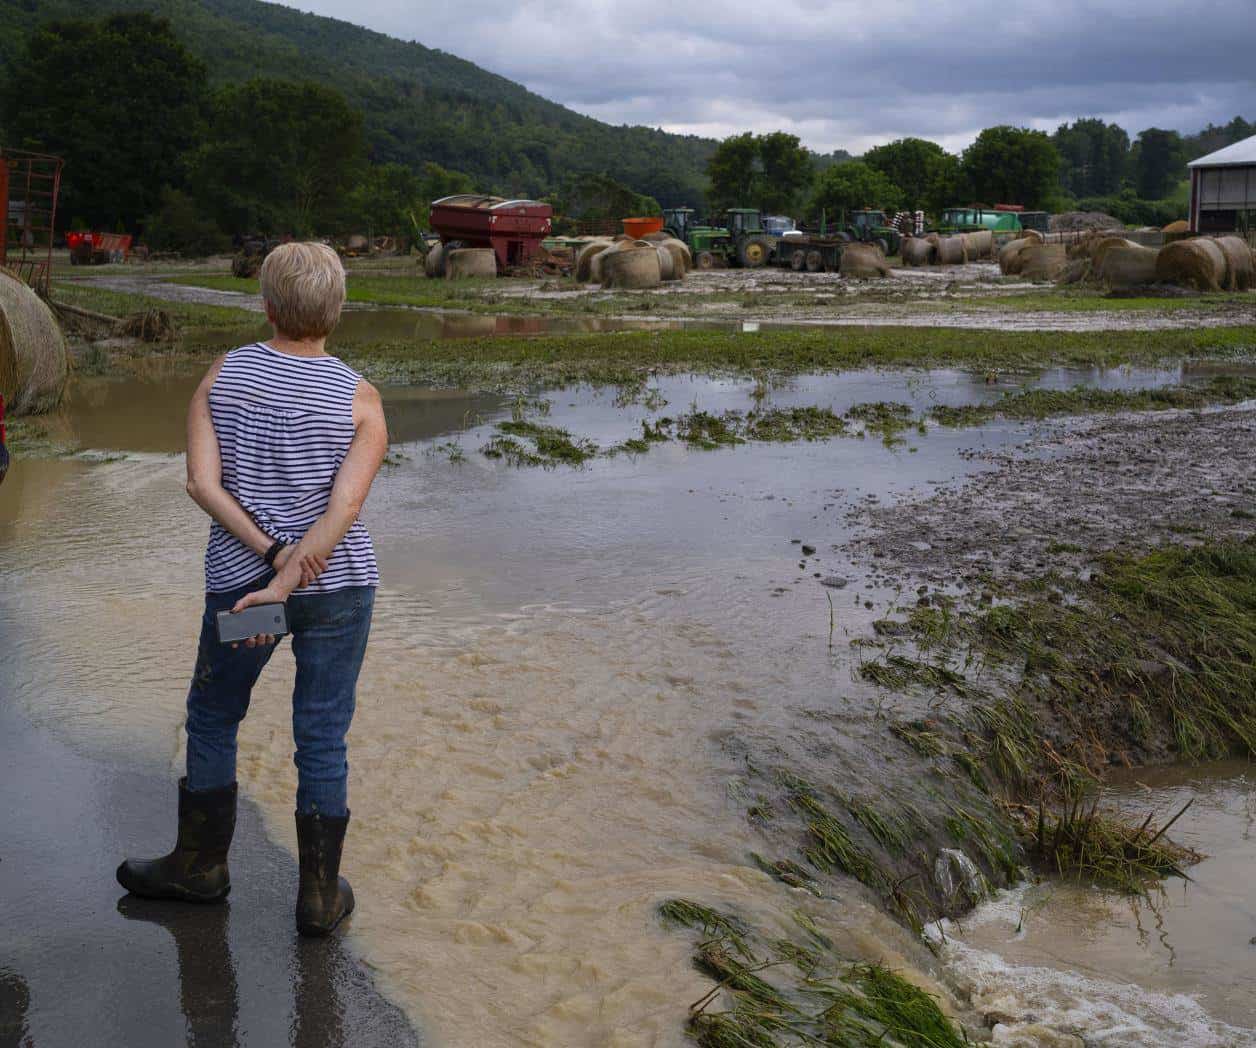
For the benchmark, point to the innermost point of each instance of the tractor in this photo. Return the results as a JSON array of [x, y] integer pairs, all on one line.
[[742, 241], [872, 227]]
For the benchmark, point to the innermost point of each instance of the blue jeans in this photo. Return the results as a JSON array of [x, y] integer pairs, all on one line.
[[329, 632]]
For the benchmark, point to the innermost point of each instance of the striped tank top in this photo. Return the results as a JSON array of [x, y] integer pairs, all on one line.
[[284, 424]]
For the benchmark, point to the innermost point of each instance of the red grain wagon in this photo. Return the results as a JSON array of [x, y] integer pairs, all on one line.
[[514, 229]]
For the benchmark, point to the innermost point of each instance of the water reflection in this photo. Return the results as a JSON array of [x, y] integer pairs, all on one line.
[[208, 994]]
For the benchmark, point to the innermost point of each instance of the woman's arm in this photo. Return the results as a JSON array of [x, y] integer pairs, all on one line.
[[205, 471], [348, 494]]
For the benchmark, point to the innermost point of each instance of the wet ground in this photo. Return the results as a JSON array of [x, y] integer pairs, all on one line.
[[567, 670]]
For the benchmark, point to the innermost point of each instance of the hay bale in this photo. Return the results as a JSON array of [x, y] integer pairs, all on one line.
[[979, 245], [1076, 271], [1034, 235], [1180, 226], [1010, 255], [466, 262], [584, 261], [681, 249], [952, 251], [631, 265], [918, 251], [1043, 262], [34, 363], [667, 264], [149, 325], [863, 262], [1130, 265], [1239, 272], [434, 262], [1197, 263], [1098, 248]]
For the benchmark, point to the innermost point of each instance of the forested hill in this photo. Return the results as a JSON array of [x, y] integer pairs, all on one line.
[[420, 104]]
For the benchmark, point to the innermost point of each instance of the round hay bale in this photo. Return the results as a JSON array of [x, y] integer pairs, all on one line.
[[979, 245], [667, 263], [1239, 272], [1043, 262], [633, 266], [863, 262], [357, 242], [1197, 263], [1010, 255], [1034, 235], [471, 262], [434, 262], [1180, 226], [1129, 265], [584, 261], [1076, 271], [680, 257], [951, 251], [682, 249], [918, 251], [34, 363]]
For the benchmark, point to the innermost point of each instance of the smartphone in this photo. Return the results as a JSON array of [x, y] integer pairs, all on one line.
[[260, 618]]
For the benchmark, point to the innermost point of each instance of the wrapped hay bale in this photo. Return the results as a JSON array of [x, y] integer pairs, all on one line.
[[33, 360], [1129, 265], [863, 261], [1180, 226], [667, 263], [918, 251], [631, 265], [1197, 263], [434, 262], [680, 249], [952, 251], [467, 262], [584, 261], [1010, 255], [979, 245], [1239, 272], [1100, 246], [1043, 262]]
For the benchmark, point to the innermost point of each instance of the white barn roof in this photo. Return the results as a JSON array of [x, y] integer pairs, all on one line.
[[1237, 153]]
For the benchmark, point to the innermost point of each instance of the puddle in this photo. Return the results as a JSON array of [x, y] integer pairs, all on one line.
[[1175, 968], [564, 669]]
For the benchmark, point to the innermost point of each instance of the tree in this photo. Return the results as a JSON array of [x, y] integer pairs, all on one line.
[[121, 100], [846, 187], [1093, 156], [768, 172], [601, 200], [1011, 165], [923, 170], [1159, 163], [281, 157]]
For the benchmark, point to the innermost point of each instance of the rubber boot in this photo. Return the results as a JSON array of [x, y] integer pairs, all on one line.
[[196, 871], [324, 898]]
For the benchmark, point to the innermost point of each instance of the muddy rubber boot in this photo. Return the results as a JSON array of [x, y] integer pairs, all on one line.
[[324, 898], [196, 871]]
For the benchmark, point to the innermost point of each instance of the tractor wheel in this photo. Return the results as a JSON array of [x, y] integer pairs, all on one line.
[[884, 246], [815, 262], [798, 261], [755, 252], [704, 260]]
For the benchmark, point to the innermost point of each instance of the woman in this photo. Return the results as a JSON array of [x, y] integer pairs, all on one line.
[[284, 441]]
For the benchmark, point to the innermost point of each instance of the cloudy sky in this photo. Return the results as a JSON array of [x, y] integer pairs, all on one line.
[[850, 74]]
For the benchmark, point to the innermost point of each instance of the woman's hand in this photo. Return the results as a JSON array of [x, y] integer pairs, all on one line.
[[293, 572], [311, 564]]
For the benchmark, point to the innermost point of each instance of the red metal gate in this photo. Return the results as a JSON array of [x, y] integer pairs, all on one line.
[[29, 184]]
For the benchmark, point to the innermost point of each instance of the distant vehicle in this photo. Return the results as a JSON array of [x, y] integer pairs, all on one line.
[[873, 227], [746, 239], [975, 219], [97, 249]]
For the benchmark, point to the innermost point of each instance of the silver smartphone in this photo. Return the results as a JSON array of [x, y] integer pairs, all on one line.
[[260, 618]]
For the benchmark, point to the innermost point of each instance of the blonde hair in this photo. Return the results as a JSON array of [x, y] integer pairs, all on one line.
[[304, 286]]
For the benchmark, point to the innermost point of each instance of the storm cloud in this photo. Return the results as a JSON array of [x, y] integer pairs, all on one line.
[[849, 75]]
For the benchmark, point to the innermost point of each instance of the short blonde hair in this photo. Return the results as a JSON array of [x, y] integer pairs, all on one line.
[[304, 286]]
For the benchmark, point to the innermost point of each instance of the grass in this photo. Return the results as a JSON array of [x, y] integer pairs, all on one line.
[[186, 315], [1065, 300], [524, 443], [787, 992], [1045, 403]]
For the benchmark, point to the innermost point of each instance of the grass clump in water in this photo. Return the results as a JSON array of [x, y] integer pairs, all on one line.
[[791, 993], [549, 446], [801, 423], [885, 419], [701, 429]]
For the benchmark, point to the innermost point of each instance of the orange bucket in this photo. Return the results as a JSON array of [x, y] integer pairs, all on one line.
[[639, 227]]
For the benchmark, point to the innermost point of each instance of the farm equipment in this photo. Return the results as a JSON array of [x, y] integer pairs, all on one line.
[[247, 261], [742, 241], [97, 249], [974, 219], [513, 229], [811, 253], [872, 227], [29, 185]]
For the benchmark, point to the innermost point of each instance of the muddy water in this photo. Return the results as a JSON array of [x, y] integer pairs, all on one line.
[[1174, 968], [563, 669]]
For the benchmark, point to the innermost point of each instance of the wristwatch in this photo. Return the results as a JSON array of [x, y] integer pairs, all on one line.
[[273, 552]]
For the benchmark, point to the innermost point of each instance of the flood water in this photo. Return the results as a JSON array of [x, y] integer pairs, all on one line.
[[558, 664]]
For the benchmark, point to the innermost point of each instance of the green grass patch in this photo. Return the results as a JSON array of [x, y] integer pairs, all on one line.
[[186, 315], [524, 443], [1065, 300]]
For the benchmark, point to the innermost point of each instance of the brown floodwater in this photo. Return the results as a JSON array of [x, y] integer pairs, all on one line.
[[541, 752]]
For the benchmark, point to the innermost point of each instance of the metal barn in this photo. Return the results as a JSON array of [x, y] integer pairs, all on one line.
[[1223, 189]]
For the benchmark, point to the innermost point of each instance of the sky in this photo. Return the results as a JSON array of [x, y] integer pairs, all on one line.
[[847, 74]]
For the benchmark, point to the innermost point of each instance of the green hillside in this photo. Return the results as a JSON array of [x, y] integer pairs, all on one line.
[[420, 104]]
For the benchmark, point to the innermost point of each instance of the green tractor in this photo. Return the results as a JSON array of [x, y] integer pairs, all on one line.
[[872, 227], [742, 241]]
